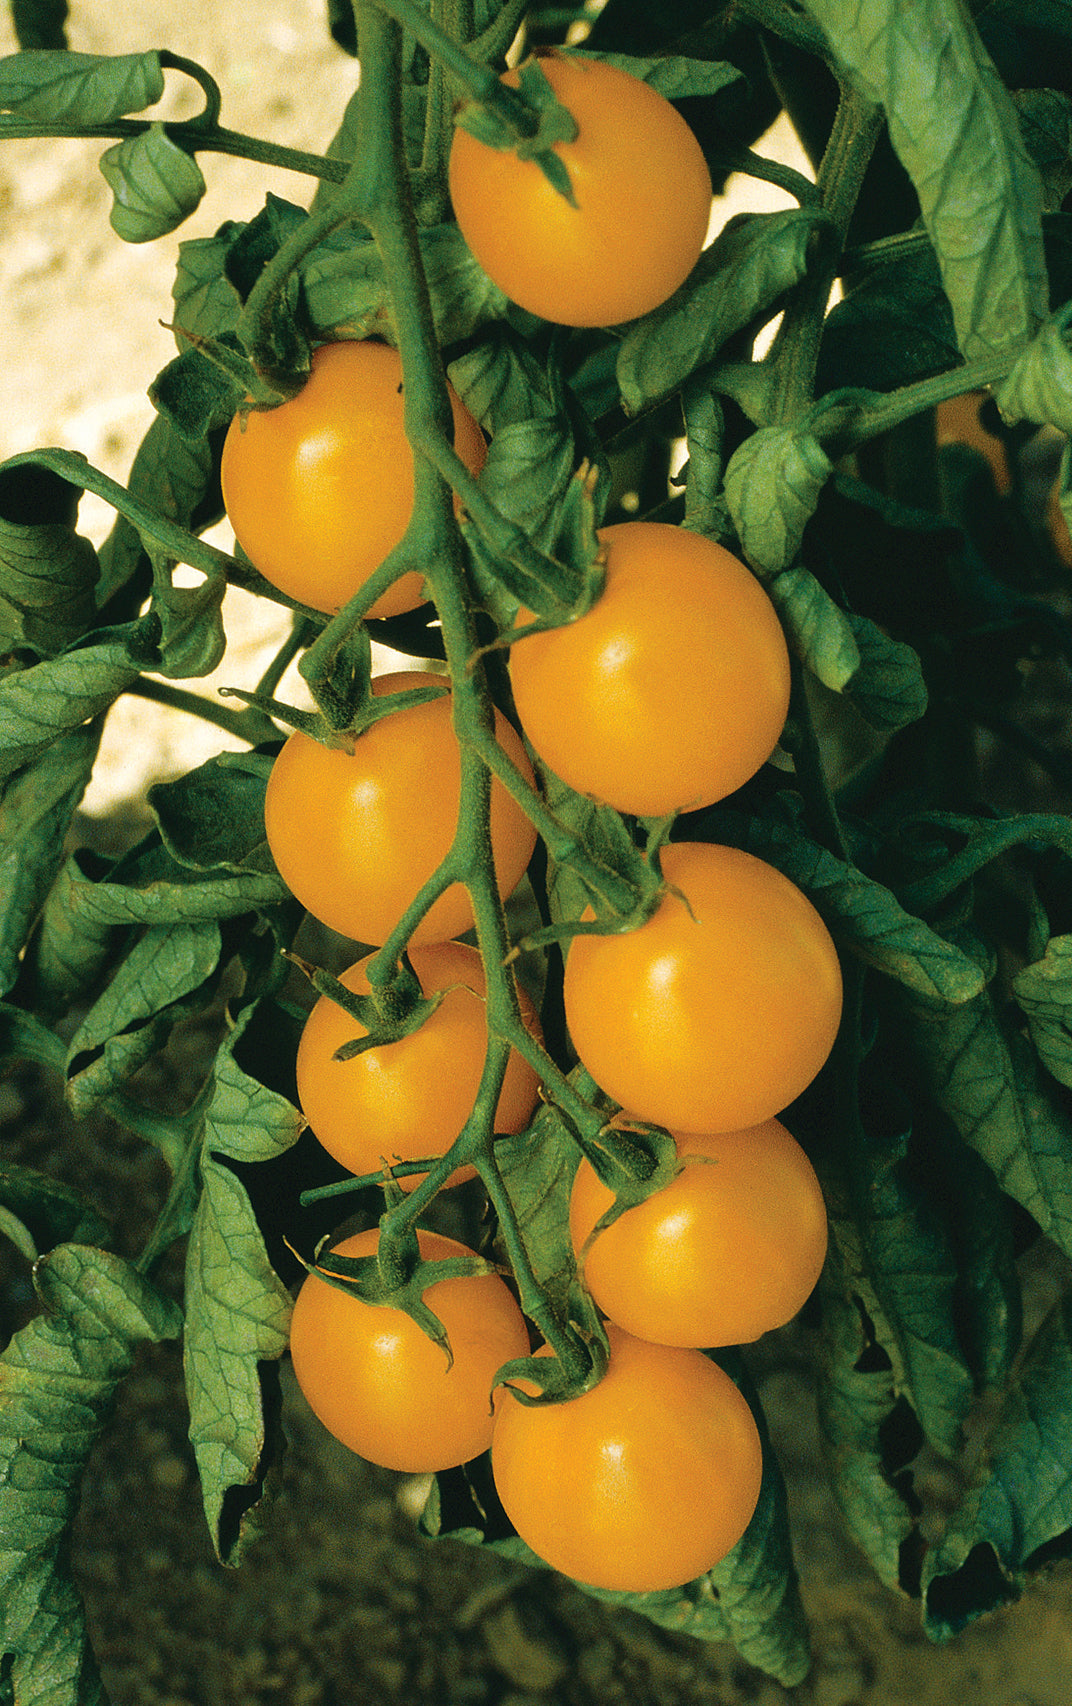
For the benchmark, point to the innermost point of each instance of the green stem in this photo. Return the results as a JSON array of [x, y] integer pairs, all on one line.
[[191, 136], [480, 81], [248, 725]]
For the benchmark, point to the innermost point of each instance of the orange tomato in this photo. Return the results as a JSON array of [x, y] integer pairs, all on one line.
[[731, 1248], [409, 1099], [382, 1386], [320, 489], [672, 690], [643, 194], [356, 835], [643, 1483], [720, 1009]]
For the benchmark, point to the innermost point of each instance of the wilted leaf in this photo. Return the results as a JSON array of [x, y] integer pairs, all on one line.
[[79, 88], [48, 572], [155, 183]]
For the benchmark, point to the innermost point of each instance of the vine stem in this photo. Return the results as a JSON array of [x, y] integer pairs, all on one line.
[[193, 137], [241, 724]]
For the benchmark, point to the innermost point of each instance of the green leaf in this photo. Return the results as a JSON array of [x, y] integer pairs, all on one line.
[[953, 125], [888, 688], [39, 23], [817, 628], [1046, 126], [48, 572], [160, 981], [238, 1310], [344, 290], [772, 485], [53, 698], [50, 1212], [1039, 386], [174, 479], [58, 1378], [155, 183], [79, 88], [36, 807], [1022, 1504], [537, 1168], [211, 819], [674, 76], [192, 638], [737, 282], [892, 328], [1044, 991], [206, 302], [196, 395]]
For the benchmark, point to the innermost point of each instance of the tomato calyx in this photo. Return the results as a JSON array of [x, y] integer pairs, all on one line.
[[555, 1374], [527, 120], [395, 1277], [395, 1009]]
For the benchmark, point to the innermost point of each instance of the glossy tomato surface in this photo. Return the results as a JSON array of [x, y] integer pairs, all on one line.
[[672, 690], [382, 1386], [730, 1249], [356, 835], [720, 1009], [409, 1099], [643, 1483], [320, 489], [643, 195]]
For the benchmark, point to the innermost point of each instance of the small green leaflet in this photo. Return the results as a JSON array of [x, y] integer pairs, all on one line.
[[79, 88], [155, 183]]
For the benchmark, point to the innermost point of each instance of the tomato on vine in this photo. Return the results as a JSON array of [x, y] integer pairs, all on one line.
[[717, 1011], [642, 1483], [730, 1249], [355, 835], [320, 489], [672, 690], [382, 1386], [642, 192], [409, 1099]]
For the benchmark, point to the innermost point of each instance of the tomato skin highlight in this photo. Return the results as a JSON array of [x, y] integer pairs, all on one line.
[[319, 489], [718, 1011], [409, 1099], [643, 1483], [730, 1249], [672, 690], [643, 192], [382, 1387], [356, 835]]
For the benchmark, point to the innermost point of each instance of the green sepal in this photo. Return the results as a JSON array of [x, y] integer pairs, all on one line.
[[528, 122]]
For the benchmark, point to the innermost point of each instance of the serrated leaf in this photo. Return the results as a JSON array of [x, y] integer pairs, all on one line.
[[888, 688], [53, 698], [155, 185], [1023, 1504], [675, 76], [48, 572], [79, 88], [818, 629], [1039, 386], [953, 125], [238, 1310], [1044, 991], [772, 485], [738, 280], [36, 807], [134, 1016], [58, 1378]]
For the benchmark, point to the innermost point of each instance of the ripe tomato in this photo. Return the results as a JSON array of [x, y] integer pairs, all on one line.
[[729, 1249], [643, 1483], [410, 1098], [672, 690], [643, 195], [382, 1386], [320, 489], [355, 835], [717, 1011]]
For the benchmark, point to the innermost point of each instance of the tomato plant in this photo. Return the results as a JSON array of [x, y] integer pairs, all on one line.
[[381, 1384], [672, 690], [867, 939], [720, 1009], [662, 1462], [357, 834], [621, 245], [730, 1249], [319, 488], [409, 1098]]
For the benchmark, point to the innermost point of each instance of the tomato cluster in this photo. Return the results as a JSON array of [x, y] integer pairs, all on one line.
[[706, 1015]]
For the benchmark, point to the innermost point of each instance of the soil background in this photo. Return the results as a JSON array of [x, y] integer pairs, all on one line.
[[342, 1602]]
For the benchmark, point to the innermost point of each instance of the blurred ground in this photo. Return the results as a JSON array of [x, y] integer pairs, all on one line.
[[342, 1602]]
